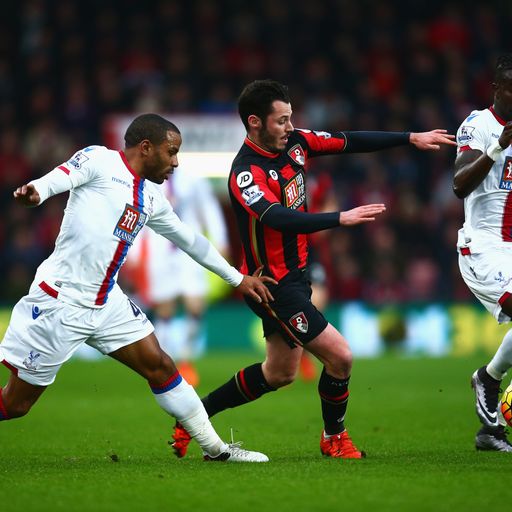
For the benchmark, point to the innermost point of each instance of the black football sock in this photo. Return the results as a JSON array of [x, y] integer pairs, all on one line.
[[247, 385], [334, 398]]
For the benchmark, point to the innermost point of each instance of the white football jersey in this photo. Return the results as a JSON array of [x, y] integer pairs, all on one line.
[[488, 209], [107, 207]]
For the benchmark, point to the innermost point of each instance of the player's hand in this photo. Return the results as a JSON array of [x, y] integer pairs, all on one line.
[[361, 214], [506, 136], [432, 139], [254, 286], [27, 195]]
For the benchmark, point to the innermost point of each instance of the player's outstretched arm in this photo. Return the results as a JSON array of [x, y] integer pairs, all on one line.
[[27, 195], [361, 214], [254, 286], [432, 140]]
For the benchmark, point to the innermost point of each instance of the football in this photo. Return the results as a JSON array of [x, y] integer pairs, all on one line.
[[506, 405]]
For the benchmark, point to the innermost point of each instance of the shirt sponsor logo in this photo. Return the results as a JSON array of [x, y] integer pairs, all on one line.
[[130, 223], [465, 134], [296, 153], [299, 322], [295, 192], [506, 174], [244, 179], [252, 195], [78, 159]]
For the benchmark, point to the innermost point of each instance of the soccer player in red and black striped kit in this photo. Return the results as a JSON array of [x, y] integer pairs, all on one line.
[[267, 187]]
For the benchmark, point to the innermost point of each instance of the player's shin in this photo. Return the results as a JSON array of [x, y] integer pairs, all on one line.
[[3, 410], [178, 398], [334, 397], [246, 386], [502, 360]]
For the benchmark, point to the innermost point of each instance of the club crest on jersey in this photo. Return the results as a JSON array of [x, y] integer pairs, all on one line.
[[296, 153], [299, 322], [506, 174], [129, 224], [294, 192]]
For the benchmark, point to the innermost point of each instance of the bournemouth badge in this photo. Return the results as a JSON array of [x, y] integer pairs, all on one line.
[[297, 154], [299, 322]]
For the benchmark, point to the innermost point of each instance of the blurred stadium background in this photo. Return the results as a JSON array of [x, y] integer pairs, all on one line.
[[72, 72]]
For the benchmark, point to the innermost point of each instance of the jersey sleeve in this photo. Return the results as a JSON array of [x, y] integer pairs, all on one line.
[[473, 134], [320, 142], [76, 171], [165, 222], [250, 189]]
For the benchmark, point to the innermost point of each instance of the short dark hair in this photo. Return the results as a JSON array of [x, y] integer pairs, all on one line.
[[257, 98], [148, 126], [503, 64]]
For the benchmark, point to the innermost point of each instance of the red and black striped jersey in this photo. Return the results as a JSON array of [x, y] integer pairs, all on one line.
[[260, 180]]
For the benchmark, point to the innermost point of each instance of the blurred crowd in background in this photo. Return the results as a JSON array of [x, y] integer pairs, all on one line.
[[350, 65]]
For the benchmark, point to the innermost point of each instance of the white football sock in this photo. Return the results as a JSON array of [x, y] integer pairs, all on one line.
[[183, 403], [502, 360]]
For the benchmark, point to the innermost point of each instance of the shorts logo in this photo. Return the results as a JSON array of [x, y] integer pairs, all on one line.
[[130, 223], [297, 154], [299, 322], [465, 134], [506, 174], [36, 312], [135, 308], [504, 281], [252, 195], [30, 361], [244, 179], [295, 192]]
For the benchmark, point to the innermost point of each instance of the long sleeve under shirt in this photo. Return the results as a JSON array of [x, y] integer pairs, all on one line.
[[268, 195]]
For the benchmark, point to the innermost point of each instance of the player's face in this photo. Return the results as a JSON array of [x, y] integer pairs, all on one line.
[[503, 96], [163, 159], [273, 136]]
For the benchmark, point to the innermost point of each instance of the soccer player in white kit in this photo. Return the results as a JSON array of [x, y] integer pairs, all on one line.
[[483, 178], [74, 298], [163, 275]]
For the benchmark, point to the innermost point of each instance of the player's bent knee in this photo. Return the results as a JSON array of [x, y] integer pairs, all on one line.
[[281, 379]]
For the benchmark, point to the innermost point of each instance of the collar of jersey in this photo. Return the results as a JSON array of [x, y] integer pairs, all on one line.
[[258, 149], [498, 118], [128, 166]]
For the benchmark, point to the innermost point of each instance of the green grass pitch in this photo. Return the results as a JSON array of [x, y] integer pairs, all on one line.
[[98, 441]]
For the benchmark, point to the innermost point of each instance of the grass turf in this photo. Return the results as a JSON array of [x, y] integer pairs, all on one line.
[[97, 441]]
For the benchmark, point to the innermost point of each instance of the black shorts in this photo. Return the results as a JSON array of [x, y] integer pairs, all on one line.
[[292, 313]]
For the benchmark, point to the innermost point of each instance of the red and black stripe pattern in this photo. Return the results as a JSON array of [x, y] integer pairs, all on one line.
[[260, 180]]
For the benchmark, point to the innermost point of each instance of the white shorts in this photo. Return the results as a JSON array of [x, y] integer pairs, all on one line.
[[44, 332], [489, 276]]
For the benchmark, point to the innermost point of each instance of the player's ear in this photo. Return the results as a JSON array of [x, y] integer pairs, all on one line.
[[145, 147], [254, 121]]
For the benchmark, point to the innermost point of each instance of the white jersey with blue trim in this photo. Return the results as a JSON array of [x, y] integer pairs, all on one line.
[[488, 209], [107, 207]]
